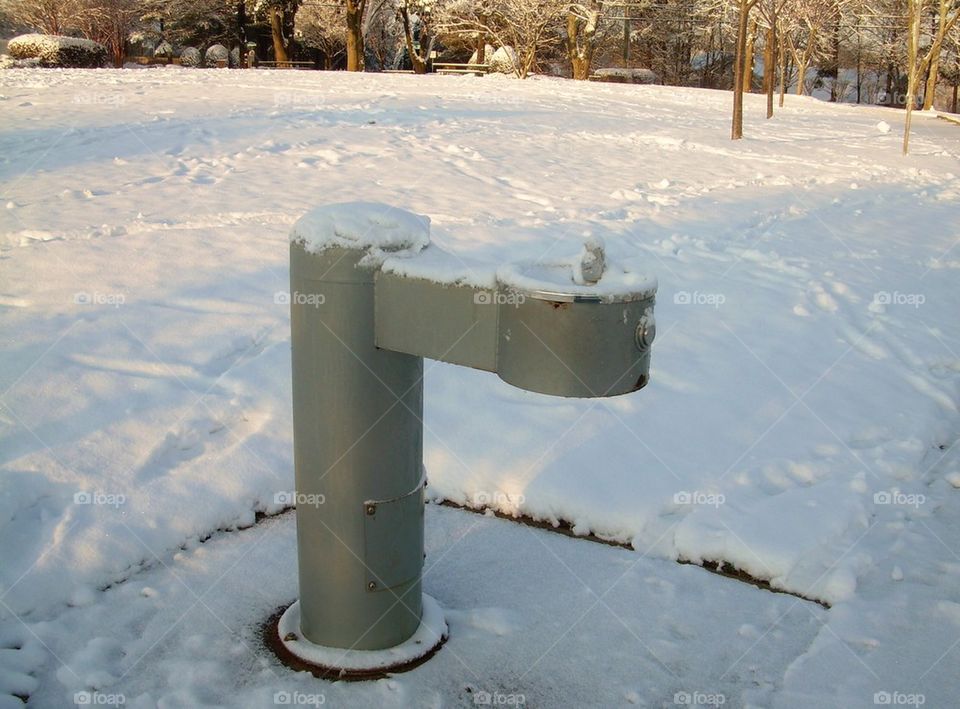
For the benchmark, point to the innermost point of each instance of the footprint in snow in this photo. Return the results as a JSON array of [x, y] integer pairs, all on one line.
[[177, 448], [21, 658]]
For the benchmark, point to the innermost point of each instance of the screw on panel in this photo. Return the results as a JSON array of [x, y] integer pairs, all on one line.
[[372, 586], [371, 510]]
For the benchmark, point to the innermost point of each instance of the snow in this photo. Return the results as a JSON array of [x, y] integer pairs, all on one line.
[[635, 76], [440, 266], [55, 51], [618, 282], [361, 225], [800, 422]]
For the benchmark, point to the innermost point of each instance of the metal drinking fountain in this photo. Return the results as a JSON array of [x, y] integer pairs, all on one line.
[[370, 297]]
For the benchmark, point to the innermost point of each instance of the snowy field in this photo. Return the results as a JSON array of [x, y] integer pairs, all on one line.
[[800, 424]]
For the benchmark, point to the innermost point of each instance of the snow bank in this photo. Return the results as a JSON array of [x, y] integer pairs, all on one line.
[[626, 76], [488, 52], [55, 51], [504, 61]]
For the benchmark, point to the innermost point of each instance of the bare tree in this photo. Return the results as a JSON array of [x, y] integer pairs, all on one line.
[[321, 27], [946, 20], [197, 23], [417, 19], [740, 67], [773, 17], [529, 26], [355, 10], [111, 22], [47, 16], [583, 21], [806, 19], [918, 63]]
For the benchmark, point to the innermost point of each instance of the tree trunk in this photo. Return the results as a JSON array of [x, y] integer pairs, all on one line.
[[955, 87], [747, 59], [782, 60], [242, 32], [736, 130], [930, 90], [913, 42], [626, 38], [802, 74], [580, 53], [835, 59], [419, 65], [769, 69], [481, 48], [355, 34], [276, 30]]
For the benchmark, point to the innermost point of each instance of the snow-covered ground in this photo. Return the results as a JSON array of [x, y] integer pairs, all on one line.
[[801, 420]]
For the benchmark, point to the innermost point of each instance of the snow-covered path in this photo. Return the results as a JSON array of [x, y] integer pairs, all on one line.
[[800, 423]]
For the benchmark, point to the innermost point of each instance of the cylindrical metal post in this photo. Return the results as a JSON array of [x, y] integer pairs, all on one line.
[[358, 452]]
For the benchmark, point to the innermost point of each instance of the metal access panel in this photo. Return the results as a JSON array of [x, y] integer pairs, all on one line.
[[393, 540]]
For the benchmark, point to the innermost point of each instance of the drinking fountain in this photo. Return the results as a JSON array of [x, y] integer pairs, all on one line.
[[370, 297]]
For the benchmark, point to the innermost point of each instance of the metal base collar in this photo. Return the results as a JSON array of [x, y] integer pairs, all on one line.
[[341, 663]]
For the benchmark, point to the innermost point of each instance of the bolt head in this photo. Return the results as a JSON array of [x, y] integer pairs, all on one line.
[[372, 586]]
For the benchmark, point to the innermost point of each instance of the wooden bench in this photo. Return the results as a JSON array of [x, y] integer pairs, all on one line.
[[285, 65], [451, 68], [153, 61]]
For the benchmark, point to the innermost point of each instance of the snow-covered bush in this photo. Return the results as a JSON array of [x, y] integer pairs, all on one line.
[[235, 57], [216, 53], [626, 76], [55, 51], [488, 53], [164, 49], [7, 62], [504, 61], [190, 56]]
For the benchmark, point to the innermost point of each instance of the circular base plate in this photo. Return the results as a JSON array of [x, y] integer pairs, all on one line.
[[339, 663]]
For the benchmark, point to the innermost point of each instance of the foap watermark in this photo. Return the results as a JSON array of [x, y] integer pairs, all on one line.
[[885, 297], [902, 499], [495, 499], [900, 699], [99, 498], [295, 99], [700, 699], [98, 99], [299, 699], [697, 497], [492, 99], [313, 300], [99, 699], [493, 297], [112, 299], [713, 300], [499, 699], [289, 498]]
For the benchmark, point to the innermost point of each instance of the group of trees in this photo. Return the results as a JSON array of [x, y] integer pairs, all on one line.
[[892, 51]]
